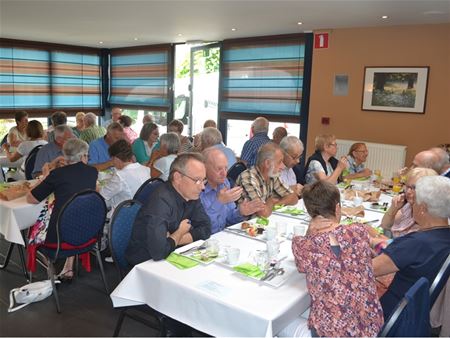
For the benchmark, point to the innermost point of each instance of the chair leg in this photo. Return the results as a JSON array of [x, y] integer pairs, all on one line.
[[7, 257], [24, 264], [100, 264], [119, 322], [51, 276]]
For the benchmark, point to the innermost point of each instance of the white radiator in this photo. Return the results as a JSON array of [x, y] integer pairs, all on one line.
[[386, 157]]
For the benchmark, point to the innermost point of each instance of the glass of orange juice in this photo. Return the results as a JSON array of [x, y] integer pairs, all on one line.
[[397, 188]]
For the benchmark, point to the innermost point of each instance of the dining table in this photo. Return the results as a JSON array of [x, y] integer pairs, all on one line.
[[216, 299]]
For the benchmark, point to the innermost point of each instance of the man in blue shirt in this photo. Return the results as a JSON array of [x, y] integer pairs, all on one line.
[[260, 128], [212, 137], [52, 152], [98, 149], [218, 199]]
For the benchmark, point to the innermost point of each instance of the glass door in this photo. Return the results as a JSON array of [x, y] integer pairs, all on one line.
[[204, 86]]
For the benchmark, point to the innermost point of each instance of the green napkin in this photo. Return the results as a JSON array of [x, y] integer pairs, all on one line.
[[293, 211], [249, 270], [262, 221], [181, 262], [277, 206]]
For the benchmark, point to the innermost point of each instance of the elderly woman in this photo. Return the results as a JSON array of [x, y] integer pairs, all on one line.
[[399, 218], [357, 155], [35, 135], [420, 253], [18, 133], [64, 182], [322, 165], [128, 176], [128, 133], [176, 126], [79, 118], [146, 142], [337, 261], [162, 159]]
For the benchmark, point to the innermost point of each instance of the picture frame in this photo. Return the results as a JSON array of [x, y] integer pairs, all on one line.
[[395, 89]]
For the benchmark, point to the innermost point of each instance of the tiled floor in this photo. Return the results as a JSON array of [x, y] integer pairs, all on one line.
[[86, 309]]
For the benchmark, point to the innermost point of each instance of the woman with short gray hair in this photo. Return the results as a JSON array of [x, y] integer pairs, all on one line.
[[421, 253], [64, 182], [169, 148]]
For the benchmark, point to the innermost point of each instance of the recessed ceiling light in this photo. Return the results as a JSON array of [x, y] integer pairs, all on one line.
[[299, 23], [100, 42], [179, 34], [384, 17], [135, 39], [233, 29]]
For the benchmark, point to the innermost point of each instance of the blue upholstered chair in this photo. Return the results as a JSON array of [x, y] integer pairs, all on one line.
[[440, 281], [79, 229], [411, 317], [29, 162], [121, 226], [234, 172], [144, 191]]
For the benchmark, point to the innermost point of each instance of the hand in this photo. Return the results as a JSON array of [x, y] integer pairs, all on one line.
[[184, 227], [297, 188], [398, 202], [58, 162], [5, 147], [366, 172], [226, 195], [247, 208], [343, 163]]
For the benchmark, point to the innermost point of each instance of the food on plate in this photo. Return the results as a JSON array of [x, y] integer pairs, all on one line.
[[252, 231], [245, 225]]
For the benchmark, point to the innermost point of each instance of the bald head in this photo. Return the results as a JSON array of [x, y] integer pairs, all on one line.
[[216, 165], [260, 125], [443, 160], [425, 159]]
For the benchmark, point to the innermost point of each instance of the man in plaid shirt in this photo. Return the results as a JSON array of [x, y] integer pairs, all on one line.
[[260, 128]]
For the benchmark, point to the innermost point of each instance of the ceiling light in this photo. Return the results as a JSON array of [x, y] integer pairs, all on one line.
[[179, 34], [233, 29], [384, 17], [299, 23], [100, 42], [135, 39]]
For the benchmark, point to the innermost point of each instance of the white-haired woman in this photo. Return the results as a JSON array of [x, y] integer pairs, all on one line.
[[421, 253], [161, 162], [64, 182]]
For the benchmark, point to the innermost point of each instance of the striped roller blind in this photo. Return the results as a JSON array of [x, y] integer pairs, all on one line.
[[75, 80], [24, 78], [262, 76], [141, 77], [44, 79]]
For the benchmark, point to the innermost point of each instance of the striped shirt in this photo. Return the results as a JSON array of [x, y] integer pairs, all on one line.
[[251, 147], [254, 186], [92, 133]]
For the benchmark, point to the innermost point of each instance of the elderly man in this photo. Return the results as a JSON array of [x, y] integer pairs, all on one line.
[[442, 166], [263, 182], [278, 134], [58, 119], [293, 150], [174, 216], [217, 197], [98, 149], [52, 152], [260, 128], [425, 159], [91, 131], [212, 137], [116, 112]]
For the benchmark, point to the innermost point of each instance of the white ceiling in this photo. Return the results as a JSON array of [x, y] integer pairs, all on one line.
[[118, 23]]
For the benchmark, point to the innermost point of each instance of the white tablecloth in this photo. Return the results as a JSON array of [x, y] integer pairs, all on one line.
[[15, 216], [214, 299]]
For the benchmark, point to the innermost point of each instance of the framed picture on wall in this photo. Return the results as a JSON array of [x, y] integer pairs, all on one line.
[[395, 89]]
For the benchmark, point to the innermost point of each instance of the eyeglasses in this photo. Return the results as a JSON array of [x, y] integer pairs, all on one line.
[[333, 144], [296, 158], [361, 151], [410, 187], [197, 181]]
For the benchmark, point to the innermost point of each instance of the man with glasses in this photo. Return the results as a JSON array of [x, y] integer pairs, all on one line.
[[173, 216], [293, 150], [262, 182]]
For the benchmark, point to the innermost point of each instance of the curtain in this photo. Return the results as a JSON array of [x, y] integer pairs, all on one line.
[[263, 76]]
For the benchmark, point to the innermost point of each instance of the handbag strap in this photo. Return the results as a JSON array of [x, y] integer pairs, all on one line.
[[12, 301]]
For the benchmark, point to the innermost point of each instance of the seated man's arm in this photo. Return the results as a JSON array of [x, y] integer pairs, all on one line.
[[383, 265], [39, 163], [283, 193], [201, 225], [103, 166], [96, 159]]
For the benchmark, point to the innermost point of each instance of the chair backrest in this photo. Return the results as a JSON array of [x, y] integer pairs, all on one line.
[[234, 172], [411, 317], [440, 280], [82, 218], [120, 229], [143, 193], [29, 162]]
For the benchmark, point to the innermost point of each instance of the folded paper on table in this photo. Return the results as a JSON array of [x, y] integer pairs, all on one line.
[[181, 262], [353, 211], [367, 196]]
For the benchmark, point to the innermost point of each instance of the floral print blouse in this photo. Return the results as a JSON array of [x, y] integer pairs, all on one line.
[[344, 299]]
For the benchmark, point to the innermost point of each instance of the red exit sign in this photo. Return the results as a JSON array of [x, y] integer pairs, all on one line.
[[321, 40]]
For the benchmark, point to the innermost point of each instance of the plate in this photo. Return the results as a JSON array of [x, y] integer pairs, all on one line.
[[199, 255], [278, 280], [237, 229]]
